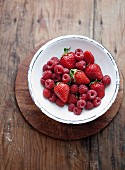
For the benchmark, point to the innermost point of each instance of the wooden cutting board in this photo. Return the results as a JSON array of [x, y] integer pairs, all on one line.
[[49, 126]]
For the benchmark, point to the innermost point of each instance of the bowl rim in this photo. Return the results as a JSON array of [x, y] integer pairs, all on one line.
[[37, 54]]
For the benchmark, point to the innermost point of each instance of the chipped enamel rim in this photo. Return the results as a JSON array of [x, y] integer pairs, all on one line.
[[80, 121]]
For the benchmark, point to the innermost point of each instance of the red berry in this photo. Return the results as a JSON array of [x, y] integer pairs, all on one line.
[[81, 104], [45, 67], [59, 102], [83, 97], [81, 65], [53, 97], [62, 91], [46, 93], [97, 101], [79, 77], [83, 89], [68, 60], [79, 56], [71, 107], [72, 98], [99, 88], [58, 69], [91, 94], [66, 78], [74, 88], [55, 59], [49, 83], [47, 74], [89, 105], [42, 81], [77, 110], [93, 72], [51, 64], [56, 77], [78, 50], [106, 80], [88, 57], [66, 70]]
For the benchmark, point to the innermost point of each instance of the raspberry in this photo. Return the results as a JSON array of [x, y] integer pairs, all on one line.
[[47, 75], [83, 89], [97, 101], [91, 94], [49, 83], [77, 110], [89, 105], [55, 59], [81, 104], [66, 70], [106, 80], [83, 97], [45, 67], [46, 93], [51, 64], [59, 69], [72, 98], [53, 97], [60, 102], [79, 56], [71, 107], [78, 50], [74, 88], [66, 78], [42, 81], [56, 77], [81, 65]]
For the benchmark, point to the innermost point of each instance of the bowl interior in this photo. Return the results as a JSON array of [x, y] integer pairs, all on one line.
[[55, 48]]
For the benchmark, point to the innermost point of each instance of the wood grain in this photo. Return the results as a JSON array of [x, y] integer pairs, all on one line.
[[47, 125], [23, 25]]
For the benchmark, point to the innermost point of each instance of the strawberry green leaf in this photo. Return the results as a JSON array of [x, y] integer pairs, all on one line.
[[93, 82], [72, 73], [66, 50], [57, 83], [69, 83]]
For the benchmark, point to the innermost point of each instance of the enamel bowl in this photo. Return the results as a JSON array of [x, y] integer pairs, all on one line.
[[55, 47]]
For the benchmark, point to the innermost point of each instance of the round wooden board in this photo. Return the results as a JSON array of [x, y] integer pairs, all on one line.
[[49, 126]]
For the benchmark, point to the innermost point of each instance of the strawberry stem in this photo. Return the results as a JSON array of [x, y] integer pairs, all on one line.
[[66, 50]]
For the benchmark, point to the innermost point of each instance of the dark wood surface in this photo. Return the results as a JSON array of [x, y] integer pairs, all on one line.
[[47, 125], [24, 24]]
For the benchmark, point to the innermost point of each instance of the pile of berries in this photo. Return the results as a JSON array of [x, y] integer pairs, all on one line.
[[74, 79]]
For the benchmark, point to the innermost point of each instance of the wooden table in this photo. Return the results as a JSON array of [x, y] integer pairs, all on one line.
[[24, 24]]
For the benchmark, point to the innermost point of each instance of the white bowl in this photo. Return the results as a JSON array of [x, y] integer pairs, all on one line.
[[55, 48]]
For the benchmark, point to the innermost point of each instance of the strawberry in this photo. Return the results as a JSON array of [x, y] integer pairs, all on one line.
[[99, 88], [68, 59], [93, 72], [62, 91], [88, 57], [79, 77]]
